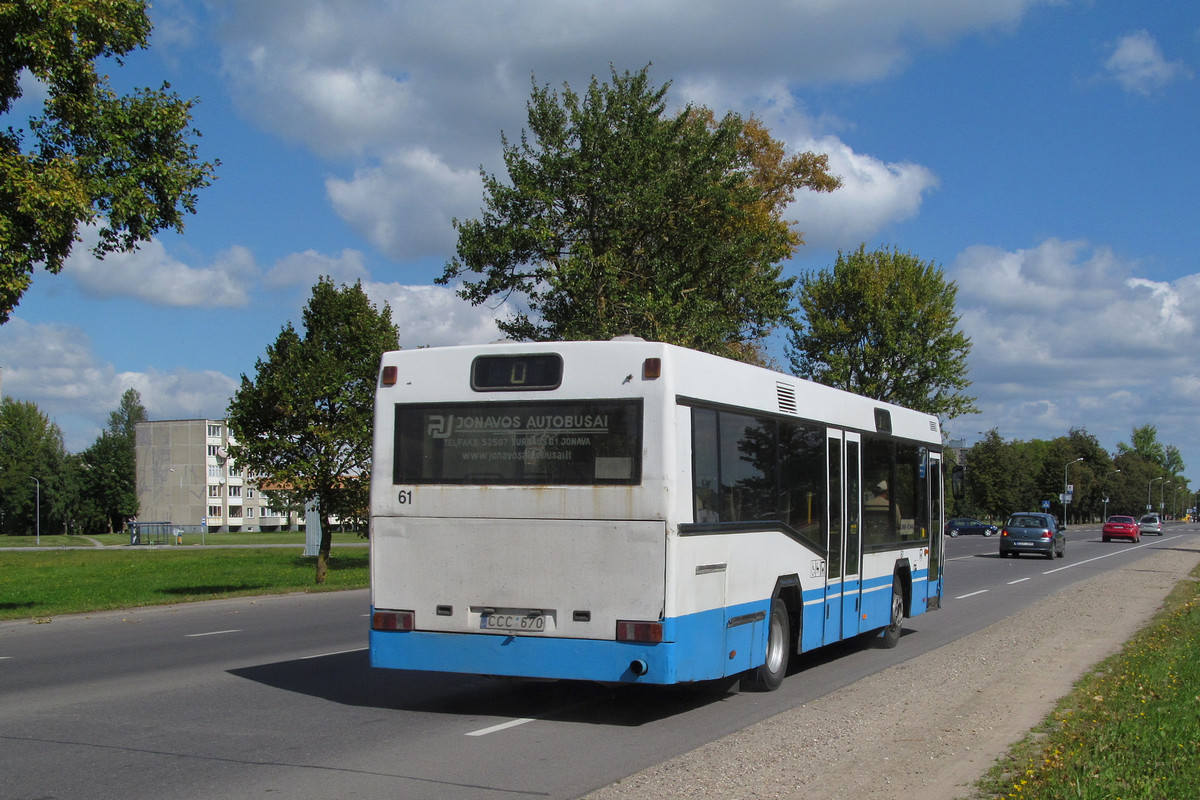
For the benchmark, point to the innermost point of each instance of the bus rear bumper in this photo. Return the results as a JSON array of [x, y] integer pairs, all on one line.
[[711, 652]]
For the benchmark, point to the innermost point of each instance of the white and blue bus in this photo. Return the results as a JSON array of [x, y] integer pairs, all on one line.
[[635, 512]]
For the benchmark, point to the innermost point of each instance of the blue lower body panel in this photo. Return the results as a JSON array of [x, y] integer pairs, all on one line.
[[697, 647]]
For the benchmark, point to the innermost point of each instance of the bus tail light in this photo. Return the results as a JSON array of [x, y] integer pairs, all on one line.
[[388, 378], [651, 369], [646, 632], [392, 621]]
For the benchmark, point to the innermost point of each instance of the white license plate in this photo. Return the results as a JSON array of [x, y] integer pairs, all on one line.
[[1023, 544], [513, 622]]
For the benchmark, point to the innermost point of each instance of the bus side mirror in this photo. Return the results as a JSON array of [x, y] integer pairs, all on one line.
[[958, 481]]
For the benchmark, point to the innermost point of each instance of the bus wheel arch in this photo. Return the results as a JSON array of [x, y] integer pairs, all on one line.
[[783, 636], [900, 604]]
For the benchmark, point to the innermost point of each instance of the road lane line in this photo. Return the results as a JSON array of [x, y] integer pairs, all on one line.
[[1110, 555], [212, 633], [512, 723], [334, 653], [972, 594], [1018, 580]]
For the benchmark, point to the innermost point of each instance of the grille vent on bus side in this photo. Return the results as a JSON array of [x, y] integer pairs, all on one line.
[[787, 398], [933, 426]]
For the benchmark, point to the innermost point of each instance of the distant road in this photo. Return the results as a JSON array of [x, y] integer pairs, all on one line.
[[273, 695]]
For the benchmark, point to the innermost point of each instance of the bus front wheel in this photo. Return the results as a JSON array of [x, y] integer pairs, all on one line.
[[769, 676]]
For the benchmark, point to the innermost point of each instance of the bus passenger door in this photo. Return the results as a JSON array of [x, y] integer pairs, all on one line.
[[852, 550], [836, 537], [937, 545]]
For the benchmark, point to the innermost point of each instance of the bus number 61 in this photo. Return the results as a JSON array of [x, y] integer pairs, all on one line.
[[406, 497]]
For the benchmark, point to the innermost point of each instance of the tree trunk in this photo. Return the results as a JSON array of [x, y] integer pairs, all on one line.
[[323, 550]]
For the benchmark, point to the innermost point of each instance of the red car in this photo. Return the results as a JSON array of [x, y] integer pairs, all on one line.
[[1121, 528]]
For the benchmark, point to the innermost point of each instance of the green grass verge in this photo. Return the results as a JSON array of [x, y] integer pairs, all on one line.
[[42, 583], [1130, 729], [117, 539]]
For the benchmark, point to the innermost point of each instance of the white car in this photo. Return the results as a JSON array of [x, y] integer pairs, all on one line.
[[1150, 524]]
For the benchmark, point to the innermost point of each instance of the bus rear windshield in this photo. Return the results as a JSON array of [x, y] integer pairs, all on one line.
[[574, 443]]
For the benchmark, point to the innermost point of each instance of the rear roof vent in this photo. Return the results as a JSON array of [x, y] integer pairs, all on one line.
[[787, 398]]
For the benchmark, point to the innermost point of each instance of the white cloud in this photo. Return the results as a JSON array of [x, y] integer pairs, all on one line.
[[152, 275], [1137, 63], [416, 94], [405, 205], [433, 316], [54, 367], [304, 269], [873, 195], [1066, 334]]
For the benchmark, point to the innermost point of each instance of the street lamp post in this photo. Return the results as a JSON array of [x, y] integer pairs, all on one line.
[[39, 509], [1160, 499], [1148, 485], [1069, 463], [1106, 477]]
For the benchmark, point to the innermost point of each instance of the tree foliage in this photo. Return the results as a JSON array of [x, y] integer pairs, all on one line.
[[125, 163], [31, 446], [620, 218], [106, 479], [303, 424], [883, 324]]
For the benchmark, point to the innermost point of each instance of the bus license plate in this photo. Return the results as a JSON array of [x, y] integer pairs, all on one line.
[[513, 623]]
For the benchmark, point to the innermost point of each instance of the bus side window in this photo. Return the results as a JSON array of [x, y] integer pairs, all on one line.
[[705, 471]]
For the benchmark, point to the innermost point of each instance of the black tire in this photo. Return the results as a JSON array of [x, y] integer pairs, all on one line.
[[895, 626], [770, 675], [1105, 539], [1062, 553], [954, 533]]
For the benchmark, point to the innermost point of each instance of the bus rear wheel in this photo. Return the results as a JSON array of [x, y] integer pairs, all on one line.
[[769, 676], [891, 634]]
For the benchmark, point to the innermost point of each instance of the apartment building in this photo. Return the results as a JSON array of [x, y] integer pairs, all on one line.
[[186, 477]]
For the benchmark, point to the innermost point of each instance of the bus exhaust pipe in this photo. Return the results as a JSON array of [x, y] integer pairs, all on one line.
[[638, 667]]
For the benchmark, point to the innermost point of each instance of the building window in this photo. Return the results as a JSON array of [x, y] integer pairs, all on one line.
[[214, 430], [235, 511], [214, 490], [250, 494], [214, 470], [235, 491], [249, 513], [214, 511]]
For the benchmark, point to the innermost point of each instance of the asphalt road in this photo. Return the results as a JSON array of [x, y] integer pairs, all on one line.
[[273, 697]]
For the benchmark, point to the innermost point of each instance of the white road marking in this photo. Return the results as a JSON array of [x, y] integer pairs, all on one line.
[[334, 653], [512, 723], [972, 594], [212, 633]]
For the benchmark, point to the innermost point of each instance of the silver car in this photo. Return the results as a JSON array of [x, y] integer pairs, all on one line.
[[1150, 524], [1033, 532]]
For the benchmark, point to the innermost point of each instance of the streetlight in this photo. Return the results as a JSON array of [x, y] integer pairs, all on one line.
[[1069, 463], [39, 509], [1160, 500], [1148, 485], [1106, 477]]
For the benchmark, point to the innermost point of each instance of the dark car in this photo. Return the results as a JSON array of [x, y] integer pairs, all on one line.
[[1120, 527], [968, 525], [1151, 523], [1033, 532]]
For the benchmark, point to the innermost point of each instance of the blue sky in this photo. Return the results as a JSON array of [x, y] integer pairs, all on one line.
[[1043, 152]]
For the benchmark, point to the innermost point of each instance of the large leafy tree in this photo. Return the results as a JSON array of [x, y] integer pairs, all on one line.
[[106, 472], [303, 424], [31, 447], [883, 324], [125, 163], [618, 217]]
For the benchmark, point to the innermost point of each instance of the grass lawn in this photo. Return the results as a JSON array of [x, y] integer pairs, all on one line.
[[42, 583], [1129, 729]]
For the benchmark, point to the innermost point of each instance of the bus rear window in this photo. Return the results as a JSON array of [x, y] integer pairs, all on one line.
[[577, 443]]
